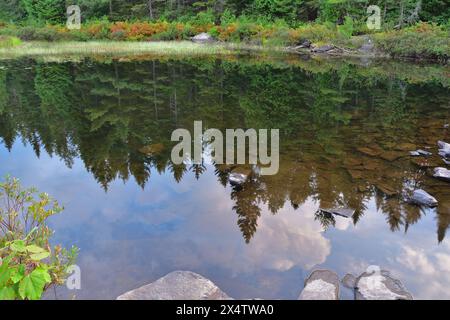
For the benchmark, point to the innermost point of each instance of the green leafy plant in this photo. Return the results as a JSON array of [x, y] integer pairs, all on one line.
[[28, 264]]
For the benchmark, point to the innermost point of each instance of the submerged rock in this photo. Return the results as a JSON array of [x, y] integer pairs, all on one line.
[[177, 285], [202, 38], [423, 198], [424, 153], [391, 155], [343, 212], [444, 149], [321, 285], [420, 152], [442, 173], [405, 146], [373, 152], [444, 154], [237, 179], [379, 285], [443, 145], [386, 189]]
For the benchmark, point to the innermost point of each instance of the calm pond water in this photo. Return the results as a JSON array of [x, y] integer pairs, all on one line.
[[95, 134]]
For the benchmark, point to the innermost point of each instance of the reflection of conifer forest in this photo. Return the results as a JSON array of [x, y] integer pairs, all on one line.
[[346, 132]]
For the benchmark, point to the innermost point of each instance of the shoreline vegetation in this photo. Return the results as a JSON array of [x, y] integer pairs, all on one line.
[[412, 29], [421, 42]]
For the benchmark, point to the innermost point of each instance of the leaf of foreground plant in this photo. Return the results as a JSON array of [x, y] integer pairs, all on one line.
[[39, 256], [7, 294], [18, 246], [34, 249], [32, 285], [18, 274], [5, 272]]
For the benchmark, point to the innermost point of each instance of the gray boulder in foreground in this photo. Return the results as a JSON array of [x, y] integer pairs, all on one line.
[[442, 173], [177, 285], [202, 37], [423, 198], [321, 285], [380, 286]]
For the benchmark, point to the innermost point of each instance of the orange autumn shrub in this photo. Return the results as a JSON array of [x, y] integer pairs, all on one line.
[[139, 30], [179, 27], [203, 28], [97, 30], [226, 32], [119, 26]]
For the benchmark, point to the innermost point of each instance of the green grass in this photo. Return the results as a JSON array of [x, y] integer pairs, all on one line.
[[9, 42], [174, 48]]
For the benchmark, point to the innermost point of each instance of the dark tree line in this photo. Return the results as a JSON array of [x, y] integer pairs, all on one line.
[[291, 11]]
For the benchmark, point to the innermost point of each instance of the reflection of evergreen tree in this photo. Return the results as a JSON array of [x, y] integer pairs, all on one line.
[[443, 220], [326, 219], [198, 169], [247, 208], [54, 86]]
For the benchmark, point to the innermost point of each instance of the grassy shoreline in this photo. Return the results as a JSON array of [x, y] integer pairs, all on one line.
[[174, 48], [168, 48]]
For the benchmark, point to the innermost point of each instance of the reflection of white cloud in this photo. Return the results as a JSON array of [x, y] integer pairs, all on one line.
[[342, 223], [415, 259], [291, 238], [430, 270], [443, 261]]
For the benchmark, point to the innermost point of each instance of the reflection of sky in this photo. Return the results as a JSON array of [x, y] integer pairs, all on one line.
[[129, 236]]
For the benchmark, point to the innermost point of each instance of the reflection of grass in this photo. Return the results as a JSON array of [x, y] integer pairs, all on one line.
[[181, 48]]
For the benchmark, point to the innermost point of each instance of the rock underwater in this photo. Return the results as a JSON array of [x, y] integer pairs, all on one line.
[[423, 198]]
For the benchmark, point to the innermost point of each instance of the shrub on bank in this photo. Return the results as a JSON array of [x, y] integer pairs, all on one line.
[[419, 41]]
